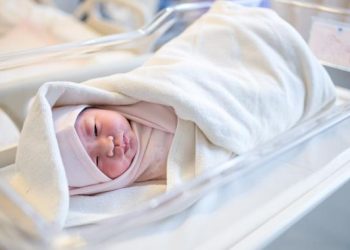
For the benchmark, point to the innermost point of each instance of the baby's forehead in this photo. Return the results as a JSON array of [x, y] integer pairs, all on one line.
[[90, 111], [84, 115], [96, 110], [99, 112]]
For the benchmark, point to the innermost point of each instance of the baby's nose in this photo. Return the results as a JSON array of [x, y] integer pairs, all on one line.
[[105, 146], [110, 150]]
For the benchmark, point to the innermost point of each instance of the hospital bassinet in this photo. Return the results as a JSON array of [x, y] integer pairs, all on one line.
[[245, 203]]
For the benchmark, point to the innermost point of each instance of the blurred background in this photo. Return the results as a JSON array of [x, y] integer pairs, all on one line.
[[28, 24]]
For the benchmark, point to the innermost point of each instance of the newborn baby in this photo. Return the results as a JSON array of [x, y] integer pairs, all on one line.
[[113, 145], [108, 139], [230, 95]]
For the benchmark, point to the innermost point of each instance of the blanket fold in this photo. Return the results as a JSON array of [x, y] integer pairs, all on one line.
[[235, 78]]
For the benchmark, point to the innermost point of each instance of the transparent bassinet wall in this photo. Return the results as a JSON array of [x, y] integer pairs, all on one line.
[[80, 61]]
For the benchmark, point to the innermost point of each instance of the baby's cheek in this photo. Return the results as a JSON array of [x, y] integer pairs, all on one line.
[[124, 166], [114, 168]]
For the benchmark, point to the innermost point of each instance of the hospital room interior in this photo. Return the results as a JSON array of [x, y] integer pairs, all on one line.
[[229, 124]]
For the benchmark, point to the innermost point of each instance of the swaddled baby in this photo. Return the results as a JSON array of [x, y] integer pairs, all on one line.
[[230, 95], [113, 146]]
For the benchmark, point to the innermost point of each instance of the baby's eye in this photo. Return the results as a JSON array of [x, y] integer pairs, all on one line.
[[95, 130], [96, 160]]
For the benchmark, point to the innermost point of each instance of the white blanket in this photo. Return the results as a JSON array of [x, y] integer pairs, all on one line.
[[236, 78]]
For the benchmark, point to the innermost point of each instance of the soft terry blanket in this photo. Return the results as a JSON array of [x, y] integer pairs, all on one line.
[[236, 78]]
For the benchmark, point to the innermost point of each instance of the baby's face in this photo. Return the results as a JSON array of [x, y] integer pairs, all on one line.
[[108, 139]]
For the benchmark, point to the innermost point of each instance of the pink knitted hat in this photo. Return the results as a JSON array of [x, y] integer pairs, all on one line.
[[80, 170]]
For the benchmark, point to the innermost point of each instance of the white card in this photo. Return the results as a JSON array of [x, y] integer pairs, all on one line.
[[330, 41]]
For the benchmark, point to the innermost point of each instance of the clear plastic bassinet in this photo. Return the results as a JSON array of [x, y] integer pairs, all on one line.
[[221, 217]]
